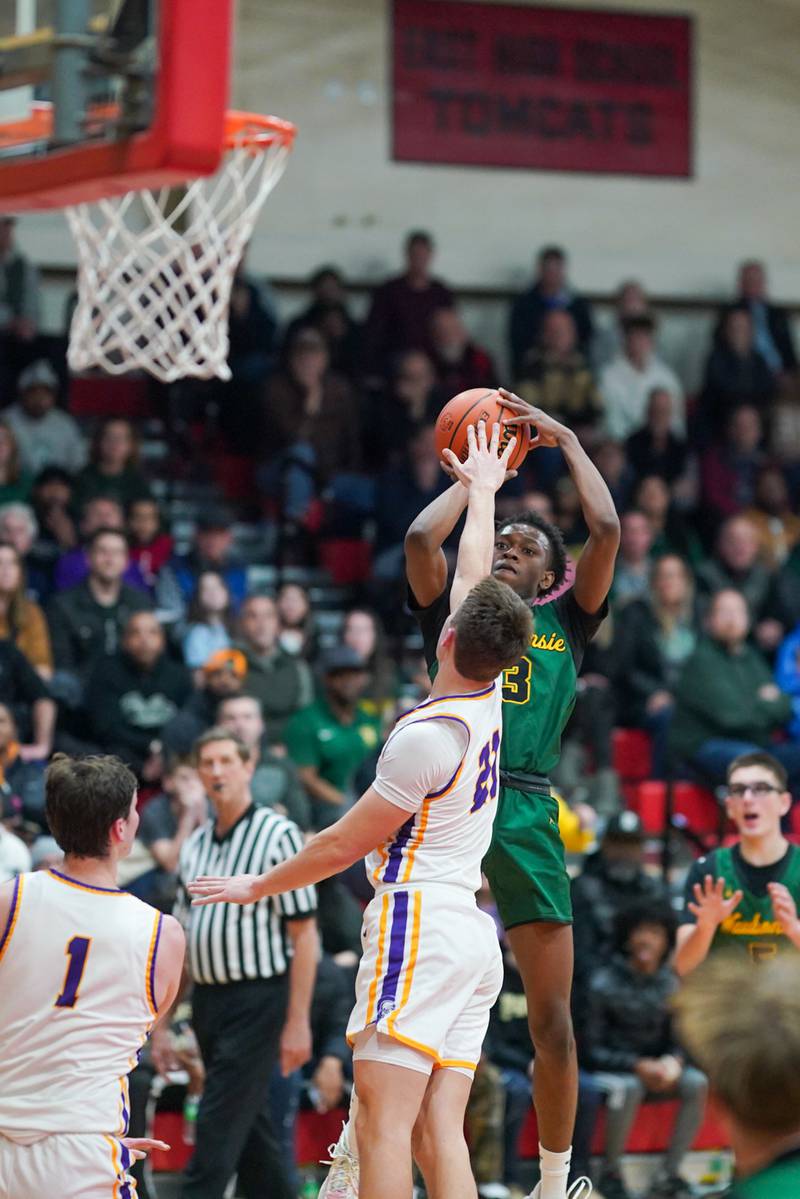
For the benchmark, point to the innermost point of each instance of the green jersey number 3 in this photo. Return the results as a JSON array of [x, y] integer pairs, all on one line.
[[517, 682]]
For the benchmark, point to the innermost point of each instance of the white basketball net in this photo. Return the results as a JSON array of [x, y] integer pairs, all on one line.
[[155, 273]]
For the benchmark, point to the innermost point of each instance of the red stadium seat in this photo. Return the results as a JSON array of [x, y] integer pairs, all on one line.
[[347, 560], [632, 754], [650, 1133], [234, 474], [696, 804]]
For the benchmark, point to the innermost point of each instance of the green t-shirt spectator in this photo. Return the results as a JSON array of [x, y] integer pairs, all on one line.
[[315, 737]]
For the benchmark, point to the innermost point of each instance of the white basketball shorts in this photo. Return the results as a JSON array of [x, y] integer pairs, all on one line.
[[71, 1166]]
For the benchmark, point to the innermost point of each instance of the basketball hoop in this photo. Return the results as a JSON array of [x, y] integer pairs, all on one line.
[[156, 268]]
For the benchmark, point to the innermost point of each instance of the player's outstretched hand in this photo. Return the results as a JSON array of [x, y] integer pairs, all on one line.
[[710, 906], [545, 431], [785, 910], [484, 466], [139, 1147], [241, 888]]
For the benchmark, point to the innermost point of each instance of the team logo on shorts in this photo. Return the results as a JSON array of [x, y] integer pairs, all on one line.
[[385, 1008]]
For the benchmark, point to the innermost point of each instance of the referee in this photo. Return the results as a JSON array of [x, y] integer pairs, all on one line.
[[253, 972]]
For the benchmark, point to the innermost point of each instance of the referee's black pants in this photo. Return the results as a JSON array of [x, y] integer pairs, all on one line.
[[238, 1029]]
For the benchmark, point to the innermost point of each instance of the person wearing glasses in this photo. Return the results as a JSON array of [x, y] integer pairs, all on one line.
[[744, 897]]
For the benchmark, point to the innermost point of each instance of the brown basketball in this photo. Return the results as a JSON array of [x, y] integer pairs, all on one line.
[[469, 407]]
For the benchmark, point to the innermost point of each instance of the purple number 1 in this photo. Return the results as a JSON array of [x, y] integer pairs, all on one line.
[[78, 951]]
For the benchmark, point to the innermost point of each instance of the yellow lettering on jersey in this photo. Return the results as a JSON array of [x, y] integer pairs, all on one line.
[[735, 926], [556, 644]]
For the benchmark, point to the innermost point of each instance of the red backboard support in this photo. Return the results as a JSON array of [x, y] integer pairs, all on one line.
[[185, 139]]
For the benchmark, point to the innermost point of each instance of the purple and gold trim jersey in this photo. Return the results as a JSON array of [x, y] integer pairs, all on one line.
[[77, 1002], [440, 765]]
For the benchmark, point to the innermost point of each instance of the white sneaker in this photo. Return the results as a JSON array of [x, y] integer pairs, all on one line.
[[580, 1189], [342, 1180]]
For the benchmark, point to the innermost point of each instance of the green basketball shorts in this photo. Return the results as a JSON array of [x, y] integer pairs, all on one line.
[[525, 864]]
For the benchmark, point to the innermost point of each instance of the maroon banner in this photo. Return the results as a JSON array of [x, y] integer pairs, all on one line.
[[557, 89]]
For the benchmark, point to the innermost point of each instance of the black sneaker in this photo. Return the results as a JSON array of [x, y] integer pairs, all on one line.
[[670, 1186], [611, 1186]]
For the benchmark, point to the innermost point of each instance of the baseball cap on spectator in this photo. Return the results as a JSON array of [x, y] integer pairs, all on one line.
[[624, 826], [38, 374], [214, 518], [340, 659], [232, 660]]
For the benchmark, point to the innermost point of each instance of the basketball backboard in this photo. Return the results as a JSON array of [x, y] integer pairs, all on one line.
[[102, 97]]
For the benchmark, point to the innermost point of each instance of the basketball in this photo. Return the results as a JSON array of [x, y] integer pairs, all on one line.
[[469, 407]]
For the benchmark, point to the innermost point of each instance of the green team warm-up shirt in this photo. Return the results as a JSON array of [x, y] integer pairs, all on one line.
[[779, 1180]]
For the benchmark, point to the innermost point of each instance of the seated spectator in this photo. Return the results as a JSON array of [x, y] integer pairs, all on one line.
[[51, 498], [328, 1075], [313, 424], [15, 483], [771, 327], [363, 632], [212, 549], [113, 470], [19, 305], [298, 633], [166, 822], [46, 435], [223, 675], [23, 692], [673, 533], [654, 449], [458, 361], [736, 373], [72, 567], [726, 702], [18, 527], [131, 696], [729, 469], [86, 621], [150, 546], [550, 289], [735, 563], [252, 325], [400, 313], [556, 377], [632, 572], [210, 619], [21, 781], [629, 1044], [630, 300], [777, 525], [787, 676], [412, 402], [275, 782], [280, 682], [627, 382], [329, 315], [651, 646], [609, 458], [21, 618]]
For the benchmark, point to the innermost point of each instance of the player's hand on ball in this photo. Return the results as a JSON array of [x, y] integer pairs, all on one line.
[[242, 888], [710, 906], [139, 1147], [484, 467], [544, 430]]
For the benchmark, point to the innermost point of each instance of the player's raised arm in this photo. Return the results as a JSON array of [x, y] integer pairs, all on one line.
[[482, 474]]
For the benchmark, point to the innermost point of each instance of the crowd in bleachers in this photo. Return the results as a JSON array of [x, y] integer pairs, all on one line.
[[235, 556]]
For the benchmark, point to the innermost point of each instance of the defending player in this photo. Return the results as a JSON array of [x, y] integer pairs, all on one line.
[[431, 968], [85, 970], [745, 897], [525, 864]]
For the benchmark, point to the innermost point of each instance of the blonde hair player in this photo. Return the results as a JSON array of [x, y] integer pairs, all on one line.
[[431, 968], [86, 971]]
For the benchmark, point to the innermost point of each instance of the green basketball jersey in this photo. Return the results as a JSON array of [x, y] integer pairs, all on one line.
[[780, 1180], [539, 692], [752, 928]]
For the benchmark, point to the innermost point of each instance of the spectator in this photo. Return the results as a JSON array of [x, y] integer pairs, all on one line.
[[252, 325], [21, 618], [630, 1045], [46, 435], [555, 375], [131, 696], [673, 533], [728, 469], [654, 449], [629, 379], [223, 675], [735, 564], [726, 702], [21, 782], [52, 506], [550, 290], [151, 547], [15, 483], [777, 525], [275, 782], [402, 491], [166, 822], [313, 426], [212, 549], [609, 458], [632, 572], [787, 676], [101, 512], [18, 527], [298, 633], [280, 682], [401, 310], [458, 361], [736, 372], [86, 620], [652, 645], [329, 315], [114, 469], [630, 300], [772, 331], [331, 738], [210, 620], [25, 695], [363, 632], [19, 302], [412, 403], [328, 1073]]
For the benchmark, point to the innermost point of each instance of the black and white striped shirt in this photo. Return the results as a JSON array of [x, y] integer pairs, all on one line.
[[229, 942]]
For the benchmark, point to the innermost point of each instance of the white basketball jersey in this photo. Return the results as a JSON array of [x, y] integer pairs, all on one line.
[[447, 835], [77, 1001]]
